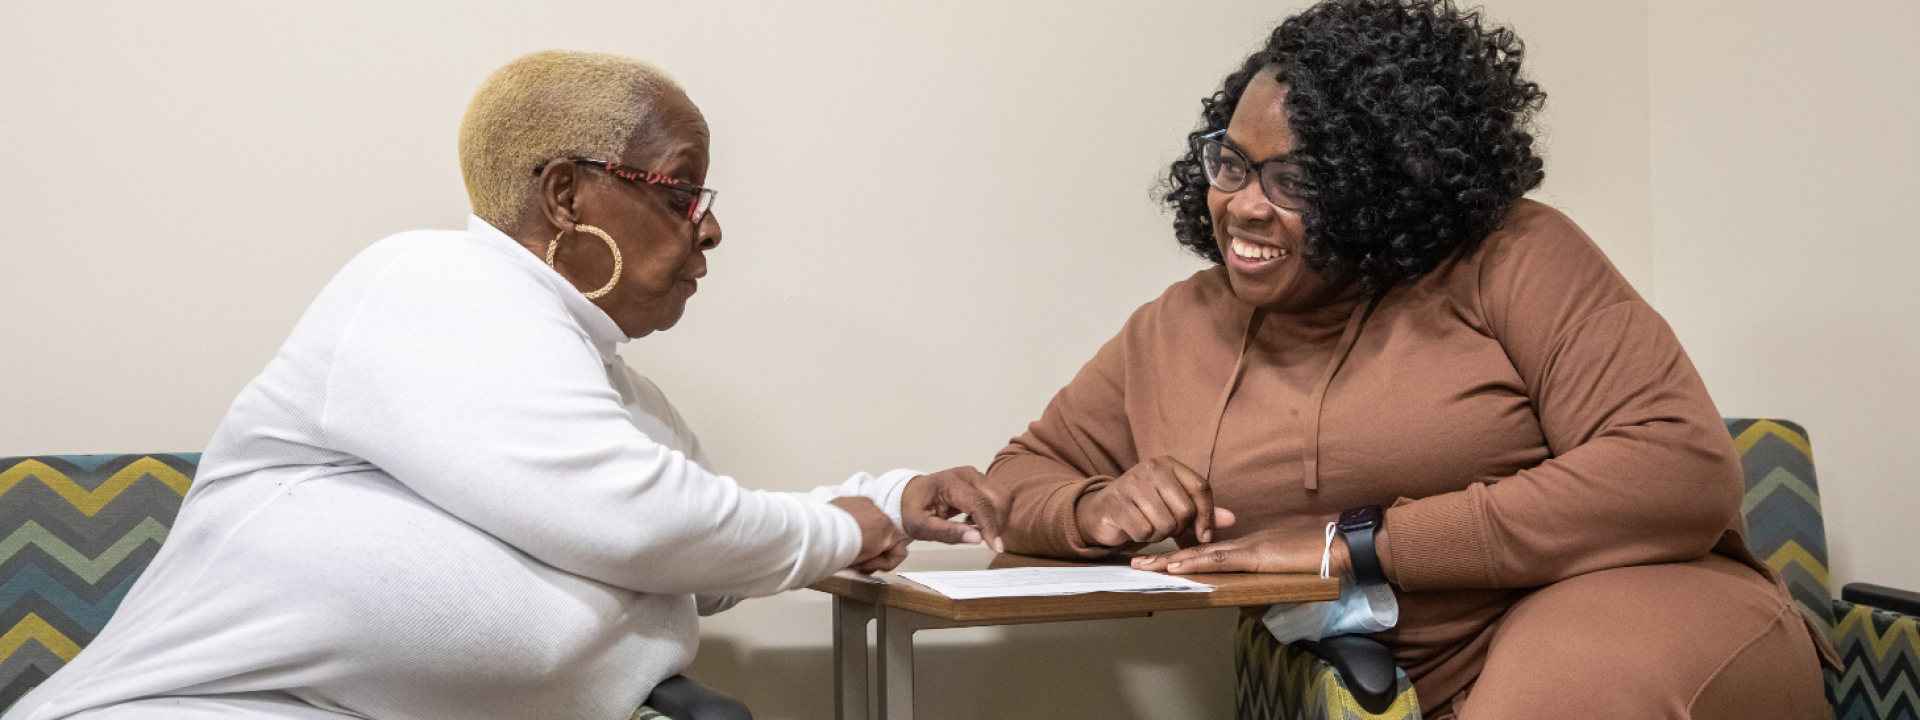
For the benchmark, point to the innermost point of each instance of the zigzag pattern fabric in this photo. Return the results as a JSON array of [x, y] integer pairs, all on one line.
[[1276, 681], [75, 532], [1782, 506], [1881, 651], [1881, 680]]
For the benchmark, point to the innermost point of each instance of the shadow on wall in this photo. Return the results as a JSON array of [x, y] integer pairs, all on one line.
[[1169, 665]]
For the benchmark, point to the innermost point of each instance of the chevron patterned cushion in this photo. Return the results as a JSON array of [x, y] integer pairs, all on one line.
[[1881, 651], [1882, 677], [77, 531], [1782, 506], [1276, 681]]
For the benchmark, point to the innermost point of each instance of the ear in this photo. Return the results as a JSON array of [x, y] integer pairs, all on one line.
[[555, 195]]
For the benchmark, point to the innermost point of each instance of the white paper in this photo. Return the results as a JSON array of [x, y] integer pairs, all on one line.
[[1026, 582]]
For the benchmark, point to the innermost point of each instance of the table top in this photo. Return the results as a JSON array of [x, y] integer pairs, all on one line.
[[1230, 590]]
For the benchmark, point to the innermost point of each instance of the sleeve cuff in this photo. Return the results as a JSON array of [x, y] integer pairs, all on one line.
[[1065, 500], [1436, 543], [1383, 547], [889, 489]]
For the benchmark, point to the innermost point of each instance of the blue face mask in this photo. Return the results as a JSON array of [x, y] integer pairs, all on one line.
[[1359, 610]]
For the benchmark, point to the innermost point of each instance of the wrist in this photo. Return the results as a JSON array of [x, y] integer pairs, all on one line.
[[1358, 527], [1342, 559], [1086, 521]]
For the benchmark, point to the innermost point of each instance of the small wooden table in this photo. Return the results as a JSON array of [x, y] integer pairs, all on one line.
[[904, 607]]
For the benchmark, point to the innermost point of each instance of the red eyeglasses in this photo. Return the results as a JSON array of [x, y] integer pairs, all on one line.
[[696, 210]]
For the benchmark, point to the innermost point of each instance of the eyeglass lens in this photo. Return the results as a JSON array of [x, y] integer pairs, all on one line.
[[701, 204], [1229, 171]]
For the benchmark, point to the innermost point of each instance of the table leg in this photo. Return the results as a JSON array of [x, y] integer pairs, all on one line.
[[850, 696], [896, 663], [897, 627]]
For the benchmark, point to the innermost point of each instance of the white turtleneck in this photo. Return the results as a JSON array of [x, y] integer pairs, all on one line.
[[446, 497]]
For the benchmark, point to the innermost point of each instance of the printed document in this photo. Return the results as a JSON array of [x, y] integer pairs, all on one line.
[[1031, 581]]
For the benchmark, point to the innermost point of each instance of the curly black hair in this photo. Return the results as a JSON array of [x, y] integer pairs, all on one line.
[[1410, 121]]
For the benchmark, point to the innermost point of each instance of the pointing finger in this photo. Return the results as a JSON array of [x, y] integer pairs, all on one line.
[[1202, 494], [987, 520], [966, 497]]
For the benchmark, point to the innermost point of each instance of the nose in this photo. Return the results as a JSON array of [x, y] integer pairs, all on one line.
[[707, 235], [1250, 202]]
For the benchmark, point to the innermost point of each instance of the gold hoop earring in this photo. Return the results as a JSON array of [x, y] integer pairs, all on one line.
[[555, 245]]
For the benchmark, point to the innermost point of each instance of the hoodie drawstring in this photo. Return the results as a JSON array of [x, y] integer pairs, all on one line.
[[1233, 383], [1310, 447], [1310, 444]]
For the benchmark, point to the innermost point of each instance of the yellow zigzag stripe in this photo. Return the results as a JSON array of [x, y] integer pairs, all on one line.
[[1861, 615], [1791, 552], [90, 501], [32, 627], [1779, 478], [90, 570], [1763, 428], [1340, 702]]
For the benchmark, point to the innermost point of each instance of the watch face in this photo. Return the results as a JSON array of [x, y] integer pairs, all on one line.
[[1360, 518]]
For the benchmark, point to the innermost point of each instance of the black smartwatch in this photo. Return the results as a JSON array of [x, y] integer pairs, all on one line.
[[1358, 525]]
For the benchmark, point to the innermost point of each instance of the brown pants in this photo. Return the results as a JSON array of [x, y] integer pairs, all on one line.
[[1688, 640]]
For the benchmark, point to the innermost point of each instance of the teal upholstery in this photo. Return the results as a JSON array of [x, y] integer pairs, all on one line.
[[76, 531], [1880, 678], [1782, 505]]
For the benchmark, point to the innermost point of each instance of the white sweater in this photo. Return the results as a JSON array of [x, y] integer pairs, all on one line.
[[446, 497]]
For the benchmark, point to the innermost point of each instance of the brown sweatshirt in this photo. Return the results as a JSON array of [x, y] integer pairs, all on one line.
[[1524, 413]]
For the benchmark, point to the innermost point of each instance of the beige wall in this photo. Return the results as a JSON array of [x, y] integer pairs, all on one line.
[[1786, 171], [934, 214]]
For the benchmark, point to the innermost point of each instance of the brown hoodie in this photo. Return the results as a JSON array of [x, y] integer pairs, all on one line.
[[1524, 413]]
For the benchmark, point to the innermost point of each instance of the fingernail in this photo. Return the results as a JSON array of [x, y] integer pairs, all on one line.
[[1206, 536], [999, 545], [1175, 565], [970, 537]]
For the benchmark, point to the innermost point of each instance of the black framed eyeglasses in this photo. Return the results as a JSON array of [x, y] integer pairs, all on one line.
[[702, 198], [1229, 170]]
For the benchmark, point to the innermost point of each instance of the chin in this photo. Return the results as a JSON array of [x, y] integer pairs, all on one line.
[[1251, 291], [668, 322], [1257, 297]]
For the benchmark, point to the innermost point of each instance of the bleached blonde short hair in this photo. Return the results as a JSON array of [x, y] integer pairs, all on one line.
[[548, 105]]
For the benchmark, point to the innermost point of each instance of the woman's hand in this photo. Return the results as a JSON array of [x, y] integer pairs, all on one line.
[[930, 502], [1155, 500], [882, 546], [1294, 550]]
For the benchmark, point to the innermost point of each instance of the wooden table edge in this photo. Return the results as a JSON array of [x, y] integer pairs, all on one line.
[[1230, 590]]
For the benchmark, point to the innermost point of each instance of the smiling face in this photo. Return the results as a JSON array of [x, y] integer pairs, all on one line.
[[1262, 244], [663, 256]]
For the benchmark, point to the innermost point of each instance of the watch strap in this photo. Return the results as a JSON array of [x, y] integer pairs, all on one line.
[[1365, 561], [1361, 553]]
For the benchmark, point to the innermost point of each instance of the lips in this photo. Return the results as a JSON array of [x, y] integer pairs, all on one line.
[[1247, 256], [1254, 252]]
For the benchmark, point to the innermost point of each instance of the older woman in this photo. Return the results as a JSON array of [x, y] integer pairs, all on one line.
[[447, 496], [1391, 326]]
